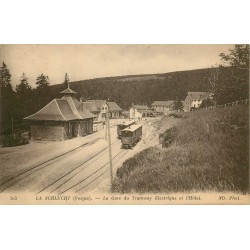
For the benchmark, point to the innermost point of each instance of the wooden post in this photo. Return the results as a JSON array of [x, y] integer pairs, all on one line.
[[110, 151], [146, 124], [106, 129]]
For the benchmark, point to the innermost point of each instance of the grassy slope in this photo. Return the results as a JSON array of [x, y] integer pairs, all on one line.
[[209, 153]]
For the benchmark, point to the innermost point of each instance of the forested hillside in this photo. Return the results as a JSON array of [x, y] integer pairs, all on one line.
[[141, 89]]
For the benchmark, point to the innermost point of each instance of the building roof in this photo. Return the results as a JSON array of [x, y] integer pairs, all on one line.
[[93, 105], [114, 107], [140, 107], [162, 103], [197, 95], [96, 105], [68, 91], [65, 109]]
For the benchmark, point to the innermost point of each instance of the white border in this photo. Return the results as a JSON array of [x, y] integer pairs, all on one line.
[[124, 227], [130, 21]]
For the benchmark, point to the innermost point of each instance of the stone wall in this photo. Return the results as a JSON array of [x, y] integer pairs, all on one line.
[[61, 131], [47, 132]]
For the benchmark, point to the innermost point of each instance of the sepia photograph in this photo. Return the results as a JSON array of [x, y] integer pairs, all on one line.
[[124, 124]]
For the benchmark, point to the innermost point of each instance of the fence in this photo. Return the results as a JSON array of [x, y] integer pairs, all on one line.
[[98, 126], [230, 104]]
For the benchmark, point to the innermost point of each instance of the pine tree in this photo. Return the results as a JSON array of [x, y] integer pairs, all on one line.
[[7, 100], [42, 93], [24, 97], [42, 82], [5, 77], [24, 86]]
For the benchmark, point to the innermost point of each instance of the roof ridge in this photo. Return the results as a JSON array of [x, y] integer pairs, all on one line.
[[73, 108], [60, 110]]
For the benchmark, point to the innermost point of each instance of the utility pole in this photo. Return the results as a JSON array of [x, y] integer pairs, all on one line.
[[110, 151], [106, 128], [133, 111], [146, 122], [12, 124]]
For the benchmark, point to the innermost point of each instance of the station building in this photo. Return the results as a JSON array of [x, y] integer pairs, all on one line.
[[61, 119]]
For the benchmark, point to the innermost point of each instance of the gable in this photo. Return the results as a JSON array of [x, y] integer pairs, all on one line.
[[113, 106], [197, 95], [163, 103]]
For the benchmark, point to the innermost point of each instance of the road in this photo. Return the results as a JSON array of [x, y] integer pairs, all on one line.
[[76, 166]]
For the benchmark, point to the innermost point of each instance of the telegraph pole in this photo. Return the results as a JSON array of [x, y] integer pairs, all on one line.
[[133, 111], [106, 129], [110, 151], [146, 122]]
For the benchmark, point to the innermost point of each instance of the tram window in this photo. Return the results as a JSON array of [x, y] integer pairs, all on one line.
[[126, 133]]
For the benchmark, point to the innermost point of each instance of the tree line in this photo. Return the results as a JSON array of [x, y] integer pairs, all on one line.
[[23, 100], [228, 82]]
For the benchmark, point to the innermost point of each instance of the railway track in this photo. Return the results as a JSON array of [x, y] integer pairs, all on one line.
[[94, 174], [34, 169], [77, 169], [99, 176]]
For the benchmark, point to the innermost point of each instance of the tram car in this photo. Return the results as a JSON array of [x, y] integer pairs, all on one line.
[[122, 126], [131, 135]]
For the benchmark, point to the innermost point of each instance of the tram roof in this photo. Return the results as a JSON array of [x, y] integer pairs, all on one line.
[[132, 128], [127, 123]]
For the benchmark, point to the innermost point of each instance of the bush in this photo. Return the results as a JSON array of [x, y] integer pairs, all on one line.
[[167, 138], [177, 115], [206, 103]]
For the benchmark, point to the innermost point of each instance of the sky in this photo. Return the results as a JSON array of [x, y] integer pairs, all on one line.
[[82, 62]]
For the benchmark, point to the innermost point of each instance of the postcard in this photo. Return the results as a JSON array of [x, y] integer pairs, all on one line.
[[124, 124]]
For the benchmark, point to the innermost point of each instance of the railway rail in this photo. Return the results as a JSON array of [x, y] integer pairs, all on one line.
[[93, 173], [77, 167], [34, 169]]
